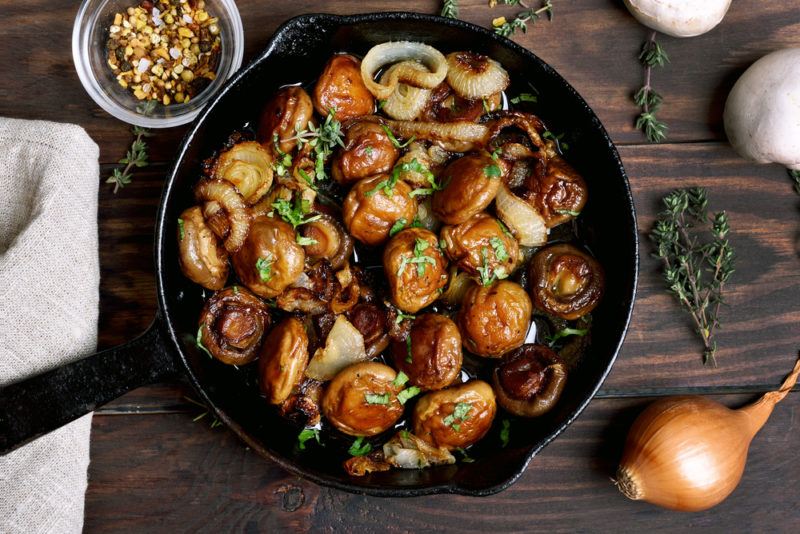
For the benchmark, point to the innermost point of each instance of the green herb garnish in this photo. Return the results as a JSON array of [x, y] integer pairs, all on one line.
[[393, 139], [569, 212], [466, 458], [199, 341], [322, 140], [408, 350], [374, 398], [460, 414], [521, 20], [485, 271], [557, 139], [264, 267], [305, 435], [499, 249], [181, 229], [420, 259], [652, 55], [359, 448], [524, 97], [305, 241], [136, 157], [398, 225], [449, 9], [492, 171], [400, 379], [505, 432], [402, 316], [294, 212], [565, 332], [407, 394]]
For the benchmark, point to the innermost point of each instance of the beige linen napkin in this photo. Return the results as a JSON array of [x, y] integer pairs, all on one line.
[[49, 277]]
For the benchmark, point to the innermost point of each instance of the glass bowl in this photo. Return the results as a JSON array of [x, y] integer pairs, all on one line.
[[89, 37]]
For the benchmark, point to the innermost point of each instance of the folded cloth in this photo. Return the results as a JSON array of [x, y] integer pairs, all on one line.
[[49, 276]]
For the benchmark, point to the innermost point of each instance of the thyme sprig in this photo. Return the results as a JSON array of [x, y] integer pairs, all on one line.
[[697, 258], [795, 175], [449, 9], [137, 153], [520, 21], [322, 139], [652, 55]]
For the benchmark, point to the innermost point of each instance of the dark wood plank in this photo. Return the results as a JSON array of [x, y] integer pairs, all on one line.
[[601, 63], [163, 473]]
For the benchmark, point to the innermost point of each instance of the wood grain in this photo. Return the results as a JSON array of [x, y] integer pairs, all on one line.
[[164, 473]]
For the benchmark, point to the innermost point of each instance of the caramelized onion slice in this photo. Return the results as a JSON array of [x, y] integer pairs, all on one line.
[[474, 75], [407, 451], [231, 201], [385, 54], [406, 102], [248, 166], [344, 346], [460, 136], [522, 219]]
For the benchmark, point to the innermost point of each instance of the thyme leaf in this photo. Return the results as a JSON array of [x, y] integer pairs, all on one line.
[[652, 55]]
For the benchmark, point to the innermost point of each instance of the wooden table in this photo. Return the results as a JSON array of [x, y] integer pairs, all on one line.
[[154, 469]]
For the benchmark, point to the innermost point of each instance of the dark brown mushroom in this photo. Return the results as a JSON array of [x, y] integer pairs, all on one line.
[[565, 281], [530, 380], [431, 354], [470, 184], [367, 151], [370, 320], [287, 113]]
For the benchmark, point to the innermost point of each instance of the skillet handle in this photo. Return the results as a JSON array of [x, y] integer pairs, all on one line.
[[45, 402]]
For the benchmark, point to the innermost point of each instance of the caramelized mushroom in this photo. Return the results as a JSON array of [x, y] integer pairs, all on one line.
[[565, 281], [370, 320], [270, 259], [494, 319], [289, 112], [445, 105], [367, 151], [283, 360], [329, 240], [303, 405], [232, 323], [248, 166], [341, 90], [202, 258], [482, 244], [311, 292], [374, 205], [429, 158], [529, 381], [470, 184], [415, 267], [556, 190], [431, 354], [362, 399], [455, 417]]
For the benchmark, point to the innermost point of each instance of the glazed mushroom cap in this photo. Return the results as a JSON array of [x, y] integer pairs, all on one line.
[[762, 114], [287, 113], [556, 190], [431, 354], [416, 269], [565, 281], [232, 325], [471, 183], [455, 417], [362, 400], [270, 259], [494, 319], [369, 212], [283, 360], [529, 381], [340, 88], [370, 319], [367, 151], [479, 242], [445, 105], [679, 18], [202, 257]]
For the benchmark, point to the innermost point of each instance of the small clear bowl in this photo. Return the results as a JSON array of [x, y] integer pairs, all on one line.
[[89, 37]]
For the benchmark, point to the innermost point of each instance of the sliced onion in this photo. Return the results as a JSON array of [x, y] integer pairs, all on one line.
[[344, 346], [475, 76], [461, 136], [522, 219], [231, 201], [407, 451], [406, 102], [457, 287], [248, 166], [426, 216], [386, 54]]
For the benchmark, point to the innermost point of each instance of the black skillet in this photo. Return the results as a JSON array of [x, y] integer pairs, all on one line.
[[167, 351]]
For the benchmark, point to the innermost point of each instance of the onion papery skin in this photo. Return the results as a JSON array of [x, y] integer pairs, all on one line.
[[474, 76], [685, 453], [385, 54], [406, 102]]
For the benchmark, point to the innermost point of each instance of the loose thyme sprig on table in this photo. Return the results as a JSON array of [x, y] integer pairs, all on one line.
[[697, 258], [449, 9], [521, 20], [137, 154], [796, 177], [652, 55]]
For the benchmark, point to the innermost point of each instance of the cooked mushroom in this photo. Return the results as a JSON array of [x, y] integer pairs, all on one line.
[[556, 190], [370, 320], [225, 194], [232, 324], [362, 399], [367, 151], [304, 404], [287, 113], [415, 267], [529, 381], [431, 354], [494, 319], [311, 292], [283, 360], [202, 258], [248, 166], [374, 205], [455, 417], [482, 245], [340, 89], [270, 259], [470, 184], [445, 105], [565, 281], [429, 162], [328, 240]]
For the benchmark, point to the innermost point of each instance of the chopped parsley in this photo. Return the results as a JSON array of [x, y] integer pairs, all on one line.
[[374, 398], [504, 228], [466, 458], [416, 166], [407, 394], [459, 415], [322, 140], [264, 267], [381, 103], [496, 153], [359, 448], [524, 97], [235, 290], [408, 350], [400, 380], [562, 145], [566, 332], [403, 316], [499, 249], [305, 435], [294, 212], [283, 162], [199, 341], [420, 259], [397, 226], [486, 106], [568, 212], [505, 432], [486, 273], [393, 139], [181, 229], [492, 171], [405, 434], [305, 241]]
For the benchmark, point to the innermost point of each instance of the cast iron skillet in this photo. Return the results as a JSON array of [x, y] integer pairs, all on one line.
[[167, 349]]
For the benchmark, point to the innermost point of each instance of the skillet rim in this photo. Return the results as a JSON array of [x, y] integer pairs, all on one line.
[[286, 463]]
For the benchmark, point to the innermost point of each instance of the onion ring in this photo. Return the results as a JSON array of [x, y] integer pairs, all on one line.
[[475, 76], [406, 102], [384, 54], [231, 201], [461, 136]]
